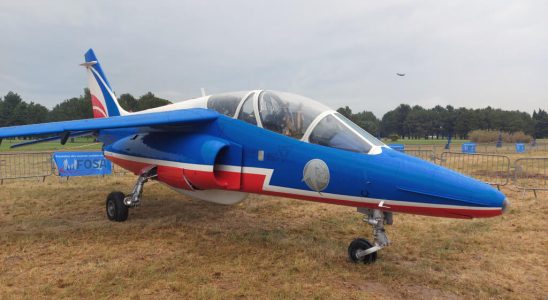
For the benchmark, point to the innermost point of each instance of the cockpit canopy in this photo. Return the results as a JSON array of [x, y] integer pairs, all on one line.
[[295, 116]]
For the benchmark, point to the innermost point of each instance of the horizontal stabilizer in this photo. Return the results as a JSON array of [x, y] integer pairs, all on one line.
[[88, 64], [171, 118]]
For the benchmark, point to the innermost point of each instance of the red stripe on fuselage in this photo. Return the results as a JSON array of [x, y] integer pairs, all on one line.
[[253, 183]]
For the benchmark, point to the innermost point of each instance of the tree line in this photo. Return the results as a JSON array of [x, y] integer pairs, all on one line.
[[405, 121], [15, 111], [416, 122]]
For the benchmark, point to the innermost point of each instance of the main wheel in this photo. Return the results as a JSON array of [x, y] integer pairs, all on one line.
[[116, 209], [361, 244]]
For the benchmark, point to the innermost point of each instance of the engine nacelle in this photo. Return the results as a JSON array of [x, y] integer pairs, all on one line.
[[211, 170]]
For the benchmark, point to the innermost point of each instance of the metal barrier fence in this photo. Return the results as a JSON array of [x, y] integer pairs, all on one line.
[[489, 168], [531, 174], [539, 148], [25, 165], [20, 165], [436, 148], [488, 148], [528, 174], [428, 155], [117, 170], [508, 148]]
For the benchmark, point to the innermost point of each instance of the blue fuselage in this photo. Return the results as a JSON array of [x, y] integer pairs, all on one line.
[[269, 163]]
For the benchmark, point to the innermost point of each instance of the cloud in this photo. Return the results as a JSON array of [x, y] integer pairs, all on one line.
[[341, 52]]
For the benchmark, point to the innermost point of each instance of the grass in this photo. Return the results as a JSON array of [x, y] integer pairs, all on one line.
[[87, 143], [55, 242], [440, 142], [79, 144]]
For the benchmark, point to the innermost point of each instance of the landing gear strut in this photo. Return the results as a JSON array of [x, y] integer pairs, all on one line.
[[361, 250], [118, 204]]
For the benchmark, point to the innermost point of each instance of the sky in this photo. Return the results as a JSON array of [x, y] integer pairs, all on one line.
[[461, 53]]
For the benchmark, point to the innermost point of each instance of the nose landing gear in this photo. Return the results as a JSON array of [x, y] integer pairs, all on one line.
[[361, 250], [117, 204]]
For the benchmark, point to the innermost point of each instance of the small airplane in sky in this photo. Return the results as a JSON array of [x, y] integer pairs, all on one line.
[[400, 74], [220, 148]]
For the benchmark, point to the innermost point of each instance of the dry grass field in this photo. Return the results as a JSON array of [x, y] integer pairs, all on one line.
[[55, 242]]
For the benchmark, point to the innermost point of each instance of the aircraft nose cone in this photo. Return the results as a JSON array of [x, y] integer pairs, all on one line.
[[505, 205], [424, 182], [472, 193]]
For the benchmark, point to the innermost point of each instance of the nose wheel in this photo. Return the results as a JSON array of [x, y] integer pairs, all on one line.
[[361, 250]]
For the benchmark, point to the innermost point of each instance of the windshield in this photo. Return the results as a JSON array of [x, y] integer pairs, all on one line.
[[226, 103], [288, 114], [247, 113], [333, 133], [366, 135]]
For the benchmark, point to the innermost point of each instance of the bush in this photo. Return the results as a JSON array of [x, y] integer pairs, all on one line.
[[519, 137], [489, 136], [483, 136]]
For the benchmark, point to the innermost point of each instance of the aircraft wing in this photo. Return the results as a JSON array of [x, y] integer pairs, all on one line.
[[172, 118]]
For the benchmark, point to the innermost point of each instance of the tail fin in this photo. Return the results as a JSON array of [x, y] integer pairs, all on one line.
[[103, 99]]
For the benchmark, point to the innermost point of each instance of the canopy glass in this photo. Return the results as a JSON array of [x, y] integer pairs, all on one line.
[[295, 116]]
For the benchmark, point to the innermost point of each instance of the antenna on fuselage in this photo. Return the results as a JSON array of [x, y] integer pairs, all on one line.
[[203, 92]]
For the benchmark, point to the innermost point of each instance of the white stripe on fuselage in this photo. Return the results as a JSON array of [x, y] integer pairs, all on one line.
[[285, 190], [158, 162]]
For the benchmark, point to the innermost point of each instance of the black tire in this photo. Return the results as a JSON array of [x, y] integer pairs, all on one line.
[[361, 244], [116, 210]]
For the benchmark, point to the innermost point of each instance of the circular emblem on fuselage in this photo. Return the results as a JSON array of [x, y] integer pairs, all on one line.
[[316, 175]]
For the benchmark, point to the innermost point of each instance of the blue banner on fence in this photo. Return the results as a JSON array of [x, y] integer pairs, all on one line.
[[398, 147], [469, 148], [82, 164], [520, 147]]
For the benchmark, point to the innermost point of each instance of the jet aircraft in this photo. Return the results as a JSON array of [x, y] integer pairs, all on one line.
[[220, 148]]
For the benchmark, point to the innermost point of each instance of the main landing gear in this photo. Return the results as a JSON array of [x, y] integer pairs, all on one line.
[[361, 250], [118, 204]]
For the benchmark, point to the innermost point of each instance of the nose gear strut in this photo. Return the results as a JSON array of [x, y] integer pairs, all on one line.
[[361, 250]]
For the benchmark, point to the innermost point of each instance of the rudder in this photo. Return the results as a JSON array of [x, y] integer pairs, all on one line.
[[103, 99]]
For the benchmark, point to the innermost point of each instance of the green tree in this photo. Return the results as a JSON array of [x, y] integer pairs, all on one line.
[[463, 122], [389, 124], [393, 121], [19, 116], [365, 119], [449, 119], [36, 113], [437, 114], [148, 101], [345, 111], [540, 124], [418, 123], [10, 103], [128, 102], [73, 109], [368, 121]]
